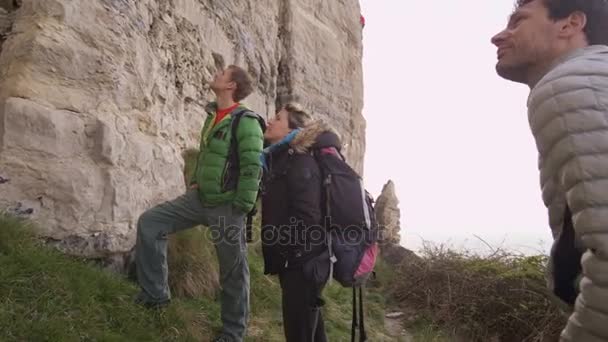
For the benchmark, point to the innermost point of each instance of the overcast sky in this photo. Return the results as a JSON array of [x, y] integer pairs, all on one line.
[[451, 134]]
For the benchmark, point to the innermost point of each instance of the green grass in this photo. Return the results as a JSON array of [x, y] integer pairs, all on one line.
[[424, 330], [47, 296]]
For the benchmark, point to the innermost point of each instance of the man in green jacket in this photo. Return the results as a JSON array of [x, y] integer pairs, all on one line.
[[223, 189]]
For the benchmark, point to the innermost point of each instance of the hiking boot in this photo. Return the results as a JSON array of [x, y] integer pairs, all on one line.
[[222, 338], [156, 306], [140, 299]]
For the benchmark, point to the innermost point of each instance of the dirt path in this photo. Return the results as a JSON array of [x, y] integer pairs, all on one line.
[[393, 323]]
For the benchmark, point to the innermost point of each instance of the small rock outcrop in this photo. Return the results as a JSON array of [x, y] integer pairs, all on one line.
[[389, 219], [388, 214]]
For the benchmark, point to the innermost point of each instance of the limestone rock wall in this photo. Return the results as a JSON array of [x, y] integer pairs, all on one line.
[[99, 98]]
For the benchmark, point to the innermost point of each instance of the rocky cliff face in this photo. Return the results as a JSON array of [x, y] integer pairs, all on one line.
[[99, 98]]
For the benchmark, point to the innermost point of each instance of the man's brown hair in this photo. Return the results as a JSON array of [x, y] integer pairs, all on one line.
[[596, 12], [244, 85]]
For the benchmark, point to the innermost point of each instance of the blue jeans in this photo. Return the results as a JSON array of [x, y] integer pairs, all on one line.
[[227, 225]]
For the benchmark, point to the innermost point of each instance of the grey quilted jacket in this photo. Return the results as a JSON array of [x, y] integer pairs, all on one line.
[[568, 115]]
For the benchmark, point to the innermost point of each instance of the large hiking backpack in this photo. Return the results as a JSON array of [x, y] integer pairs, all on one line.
[[233, 159], [351, 226]]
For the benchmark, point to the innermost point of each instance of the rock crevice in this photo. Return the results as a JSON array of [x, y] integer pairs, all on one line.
[[7, 9]]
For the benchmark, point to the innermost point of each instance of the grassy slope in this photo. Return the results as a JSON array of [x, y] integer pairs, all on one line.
[[47, 296]]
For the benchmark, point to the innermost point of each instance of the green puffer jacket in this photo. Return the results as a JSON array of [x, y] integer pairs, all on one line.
[[220, 182]]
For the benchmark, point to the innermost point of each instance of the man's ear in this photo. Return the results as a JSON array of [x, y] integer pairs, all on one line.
[[574, 24], [232, 85]]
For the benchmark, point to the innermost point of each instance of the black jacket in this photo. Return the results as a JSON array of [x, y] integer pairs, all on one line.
[[292, 219]]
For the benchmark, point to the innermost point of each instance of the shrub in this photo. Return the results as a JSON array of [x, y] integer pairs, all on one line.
[[502, 296]]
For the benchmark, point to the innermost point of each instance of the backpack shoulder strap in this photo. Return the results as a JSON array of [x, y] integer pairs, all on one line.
[[236, 118], [233, 155]]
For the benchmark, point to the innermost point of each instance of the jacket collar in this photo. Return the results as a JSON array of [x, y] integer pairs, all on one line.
[[211, 108], [316, 134], [585, 51]]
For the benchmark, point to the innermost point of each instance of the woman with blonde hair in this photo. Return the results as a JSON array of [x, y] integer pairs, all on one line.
[[293, 235]]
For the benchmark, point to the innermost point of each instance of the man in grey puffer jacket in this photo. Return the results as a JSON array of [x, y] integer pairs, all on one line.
[[558, 48]]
